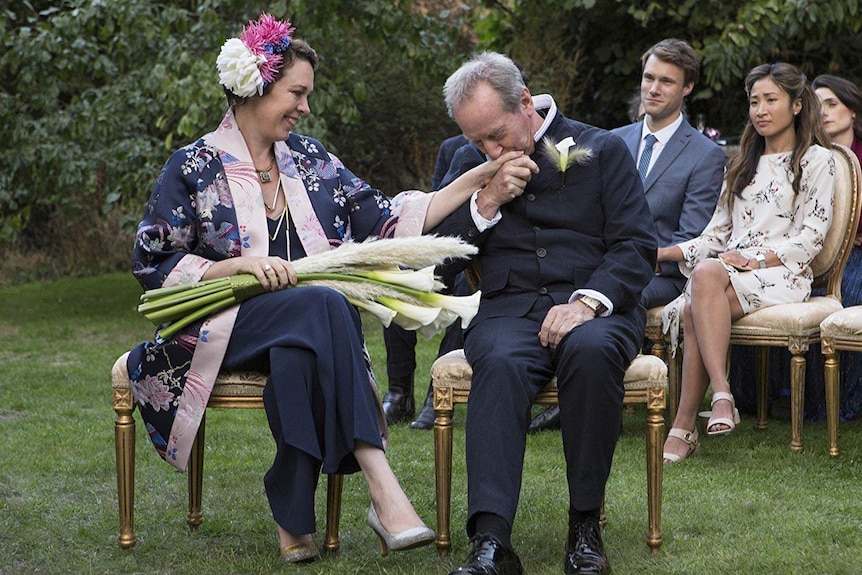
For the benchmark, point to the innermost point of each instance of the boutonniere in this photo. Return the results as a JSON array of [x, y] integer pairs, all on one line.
[[566, 153]]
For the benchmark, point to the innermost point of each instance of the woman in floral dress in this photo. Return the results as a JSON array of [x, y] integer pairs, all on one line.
[[770, 223]]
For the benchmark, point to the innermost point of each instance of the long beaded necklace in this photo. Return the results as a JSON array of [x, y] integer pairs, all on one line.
[[281, 218]]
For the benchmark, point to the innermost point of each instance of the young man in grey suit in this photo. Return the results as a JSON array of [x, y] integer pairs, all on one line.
[[682, 169]]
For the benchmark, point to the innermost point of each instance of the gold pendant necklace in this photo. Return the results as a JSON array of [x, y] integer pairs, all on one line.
[[264, 174]]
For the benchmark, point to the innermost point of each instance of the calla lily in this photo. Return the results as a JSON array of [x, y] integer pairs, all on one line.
[[410, 316], [566, 153], [465, 307], [381, 312], [443, 320], [422, 280]]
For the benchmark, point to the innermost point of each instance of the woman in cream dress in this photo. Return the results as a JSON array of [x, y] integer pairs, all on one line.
[[769, 225]]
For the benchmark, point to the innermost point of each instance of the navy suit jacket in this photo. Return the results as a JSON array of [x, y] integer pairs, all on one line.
[[682, 187], [588, 228]]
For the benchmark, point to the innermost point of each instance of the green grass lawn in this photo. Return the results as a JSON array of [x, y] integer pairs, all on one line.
[[745, 505]]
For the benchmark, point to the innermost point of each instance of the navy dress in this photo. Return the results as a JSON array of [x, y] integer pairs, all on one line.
[[317, 398]]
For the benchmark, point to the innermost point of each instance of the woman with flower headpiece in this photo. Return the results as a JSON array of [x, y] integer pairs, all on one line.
[[248, 198]]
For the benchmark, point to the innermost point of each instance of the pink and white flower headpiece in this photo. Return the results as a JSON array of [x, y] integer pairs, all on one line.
[[248, 64]]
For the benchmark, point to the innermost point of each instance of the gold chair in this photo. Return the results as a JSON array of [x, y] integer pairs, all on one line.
[[797, 325], [841, 331], [231, 390], [645, 383]]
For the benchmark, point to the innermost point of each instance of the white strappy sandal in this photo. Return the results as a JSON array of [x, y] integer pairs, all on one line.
[[727, 421], [689, 437]]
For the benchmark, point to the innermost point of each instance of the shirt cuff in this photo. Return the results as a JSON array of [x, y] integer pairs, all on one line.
[[599, 296], [481, 223]]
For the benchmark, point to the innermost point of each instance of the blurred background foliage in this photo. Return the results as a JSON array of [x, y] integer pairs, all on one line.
[[95, 94]]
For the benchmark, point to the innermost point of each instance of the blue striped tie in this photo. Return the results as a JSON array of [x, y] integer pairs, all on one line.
[[643, 164]]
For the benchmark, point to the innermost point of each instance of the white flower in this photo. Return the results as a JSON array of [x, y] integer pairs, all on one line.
[[380, 311], [422, 280], [410, 316], [238, 69]]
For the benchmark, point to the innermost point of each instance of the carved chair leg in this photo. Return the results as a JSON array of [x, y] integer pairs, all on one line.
[[195, 473], [334, 486], [797, 399], [654, 442], [443, 475], [761, 375], [124, 443], [831, 371]]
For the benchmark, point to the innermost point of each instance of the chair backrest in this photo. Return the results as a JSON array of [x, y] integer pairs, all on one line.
[[828, 266]]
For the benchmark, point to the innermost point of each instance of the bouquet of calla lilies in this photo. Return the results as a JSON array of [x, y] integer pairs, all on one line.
[[393, 279]]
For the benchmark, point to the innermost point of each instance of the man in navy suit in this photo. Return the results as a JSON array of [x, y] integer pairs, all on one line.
[[684, 169], [564, 255]]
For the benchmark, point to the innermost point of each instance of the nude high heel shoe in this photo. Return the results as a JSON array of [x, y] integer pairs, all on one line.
[[729, 422], [407, 539]]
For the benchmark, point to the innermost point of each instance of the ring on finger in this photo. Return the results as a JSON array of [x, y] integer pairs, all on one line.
[[267, 268]]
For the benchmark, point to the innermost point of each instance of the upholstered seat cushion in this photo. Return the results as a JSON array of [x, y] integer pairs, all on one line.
[[228, 384], [843, 324], [452, 370], [799, 319]]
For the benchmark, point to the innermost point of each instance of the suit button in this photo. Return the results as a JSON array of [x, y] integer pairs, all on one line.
[[543, 290], [541, 252], [531, 197], [471, 234]]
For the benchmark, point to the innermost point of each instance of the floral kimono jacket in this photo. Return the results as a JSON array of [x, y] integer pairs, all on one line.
[[207, 205]]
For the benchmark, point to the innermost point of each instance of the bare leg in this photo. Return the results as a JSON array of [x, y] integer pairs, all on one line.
[[708, 315], [394, 510]]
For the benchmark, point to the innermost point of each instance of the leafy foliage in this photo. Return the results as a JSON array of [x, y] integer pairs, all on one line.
[[590, 57], [95, 95]]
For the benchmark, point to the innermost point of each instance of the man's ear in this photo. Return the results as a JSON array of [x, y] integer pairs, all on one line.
[[527, 101], [686, 90]]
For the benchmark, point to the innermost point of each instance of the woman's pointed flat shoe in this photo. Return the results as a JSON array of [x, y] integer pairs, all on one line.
[[729, 423], [407, 539]]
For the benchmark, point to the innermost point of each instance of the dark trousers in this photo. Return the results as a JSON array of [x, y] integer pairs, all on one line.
[[318, 399], [509, 368]]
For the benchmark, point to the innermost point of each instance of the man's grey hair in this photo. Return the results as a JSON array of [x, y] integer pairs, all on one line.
[[500, 72]]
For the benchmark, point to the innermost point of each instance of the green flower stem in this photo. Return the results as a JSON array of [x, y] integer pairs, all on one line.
[[201, 313]]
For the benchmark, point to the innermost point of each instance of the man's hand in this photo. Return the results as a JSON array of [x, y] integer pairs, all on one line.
[[506, 185], [562, 319]]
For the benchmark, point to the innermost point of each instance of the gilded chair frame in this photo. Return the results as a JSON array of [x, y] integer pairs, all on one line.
[[232, 390], [645, 384], [841, 331]]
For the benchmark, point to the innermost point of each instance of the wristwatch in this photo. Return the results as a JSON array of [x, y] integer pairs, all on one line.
[[761, 260], [594, 304]]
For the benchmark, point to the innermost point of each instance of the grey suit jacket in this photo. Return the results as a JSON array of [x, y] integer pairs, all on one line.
[[683, 185]]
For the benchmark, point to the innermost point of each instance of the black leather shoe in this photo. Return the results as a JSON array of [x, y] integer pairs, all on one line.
[[426, 417], [548, 419], [586, 554], [398, 406], [490, 557]]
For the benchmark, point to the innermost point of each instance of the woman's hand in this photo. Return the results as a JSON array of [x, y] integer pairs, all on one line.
[[273, 273], [737, 260]]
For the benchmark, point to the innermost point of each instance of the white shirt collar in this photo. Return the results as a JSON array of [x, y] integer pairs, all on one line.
[[664, 135], [542, 102]]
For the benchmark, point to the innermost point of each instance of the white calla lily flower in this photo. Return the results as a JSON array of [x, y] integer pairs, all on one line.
[[410, 316], [422, 280], [381, 312], [465, 306]]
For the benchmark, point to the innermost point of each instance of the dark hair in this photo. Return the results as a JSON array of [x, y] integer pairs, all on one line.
[[299, 49], [849, 94], [679, 53], [634, 109], [807, 124]]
